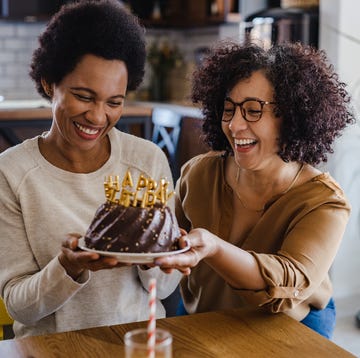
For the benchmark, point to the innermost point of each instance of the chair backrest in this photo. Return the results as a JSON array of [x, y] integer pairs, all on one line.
[[5, 319], [166, 133]]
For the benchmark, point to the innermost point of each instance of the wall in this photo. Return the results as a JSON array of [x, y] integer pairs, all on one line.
[[18, 41], [340, 38]]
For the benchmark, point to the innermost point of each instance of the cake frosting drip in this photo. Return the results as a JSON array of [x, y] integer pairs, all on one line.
[[131, 229]]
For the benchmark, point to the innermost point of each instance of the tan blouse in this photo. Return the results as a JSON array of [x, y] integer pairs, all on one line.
[[294, 242]]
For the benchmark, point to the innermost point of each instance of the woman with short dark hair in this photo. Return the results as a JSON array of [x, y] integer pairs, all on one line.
[[90, 54]]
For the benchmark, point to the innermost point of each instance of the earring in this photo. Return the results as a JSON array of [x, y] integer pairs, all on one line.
[[47, 88], [48, 91]]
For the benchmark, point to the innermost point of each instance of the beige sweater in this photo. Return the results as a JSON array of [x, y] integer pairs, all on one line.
[[39, 205], [294, 242]]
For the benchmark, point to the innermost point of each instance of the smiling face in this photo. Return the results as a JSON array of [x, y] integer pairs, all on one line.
[[87, 103], [254, 143]]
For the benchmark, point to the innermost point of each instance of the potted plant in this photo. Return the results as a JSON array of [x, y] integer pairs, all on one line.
[[162, 58]]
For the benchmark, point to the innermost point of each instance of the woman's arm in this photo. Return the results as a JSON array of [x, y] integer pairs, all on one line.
[[278, 280], [238, 267]]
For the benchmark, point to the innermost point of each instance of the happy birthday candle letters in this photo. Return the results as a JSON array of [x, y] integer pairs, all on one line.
[[146, 193]]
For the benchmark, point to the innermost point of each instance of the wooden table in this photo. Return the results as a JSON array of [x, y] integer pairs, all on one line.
[[37, 114], [234, 333]]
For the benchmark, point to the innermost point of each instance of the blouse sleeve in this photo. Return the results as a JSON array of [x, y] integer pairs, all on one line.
[[298, 268]]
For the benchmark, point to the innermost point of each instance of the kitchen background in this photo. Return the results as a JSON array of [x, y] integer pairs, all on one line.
[[184, 36]]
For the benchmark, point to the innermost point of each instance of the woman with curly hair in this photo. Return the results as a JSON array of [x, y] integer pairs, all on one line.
[[90, 53], [264, 224]]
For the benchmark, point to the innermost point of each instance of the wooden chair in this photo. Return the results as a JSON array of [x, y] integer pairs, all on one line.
[[5, 320], [166, 133]]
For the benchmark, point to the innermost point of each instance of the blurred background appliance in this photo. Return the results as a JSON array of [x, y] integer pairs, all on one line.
[[282, 24]]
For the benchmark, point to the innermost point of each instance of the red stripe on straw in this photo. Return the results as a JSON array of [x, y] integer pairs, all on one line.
[[152, 319]]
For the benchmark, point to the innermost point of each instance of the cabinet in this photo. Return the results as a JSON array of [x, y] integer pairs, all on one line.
[[181, 13]]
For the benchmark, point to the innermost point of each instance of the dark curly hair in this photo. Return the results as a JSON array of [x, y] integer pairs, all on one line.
[[103, 28], [313, 104]]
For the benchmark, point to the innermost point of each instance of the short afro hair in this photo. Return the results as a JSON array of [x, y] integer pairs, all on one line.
[[313, 104], [103, 28]]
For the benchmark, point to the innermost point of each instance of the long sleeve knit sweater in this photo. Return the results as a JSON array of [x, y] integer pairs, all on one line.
[[39, 205]]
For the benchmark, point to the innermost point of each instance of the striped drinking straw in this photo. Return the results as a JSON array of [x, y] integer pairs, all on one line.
[[152, 319]]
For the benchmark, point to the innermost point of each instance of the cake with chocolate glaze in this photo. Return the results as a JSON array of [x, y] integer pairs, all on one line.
[[138, 222], [133, 229]]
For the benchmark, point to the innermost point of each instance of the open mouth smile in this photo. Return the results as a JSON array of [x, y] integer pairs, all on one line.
[[244, 142], [87, 130]]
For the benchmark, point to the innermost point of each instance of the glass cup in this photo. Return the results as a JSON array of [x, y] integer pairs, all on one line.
[[136, 343]]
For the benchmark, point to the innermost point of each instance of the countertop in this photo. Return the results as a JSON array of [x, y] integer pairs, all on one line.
[[186, 109]]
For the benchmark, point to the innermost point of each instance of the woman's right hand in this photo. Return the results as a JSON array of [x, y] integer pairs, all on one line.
[[76, 261], [203, 244]]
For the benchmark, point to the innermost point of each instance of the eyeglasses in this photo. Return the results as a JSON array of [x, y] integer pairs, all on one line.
[[251, 109]]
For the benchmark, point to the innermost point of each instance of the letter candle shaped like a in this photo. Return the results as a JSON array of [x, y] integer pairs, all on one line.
[[145, 194]]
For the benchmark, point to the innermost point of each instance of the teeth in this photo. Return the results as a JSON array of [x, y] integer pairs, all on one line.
[[86, 130], [244, 141]]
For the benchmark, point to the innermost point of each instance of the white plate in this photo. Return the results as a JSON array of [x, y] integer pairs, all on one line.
[[133, 258]]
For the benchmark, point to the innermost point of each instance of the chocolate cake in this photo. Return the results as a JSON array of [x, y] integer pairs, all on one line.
[[138, 221], [133, 229]]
